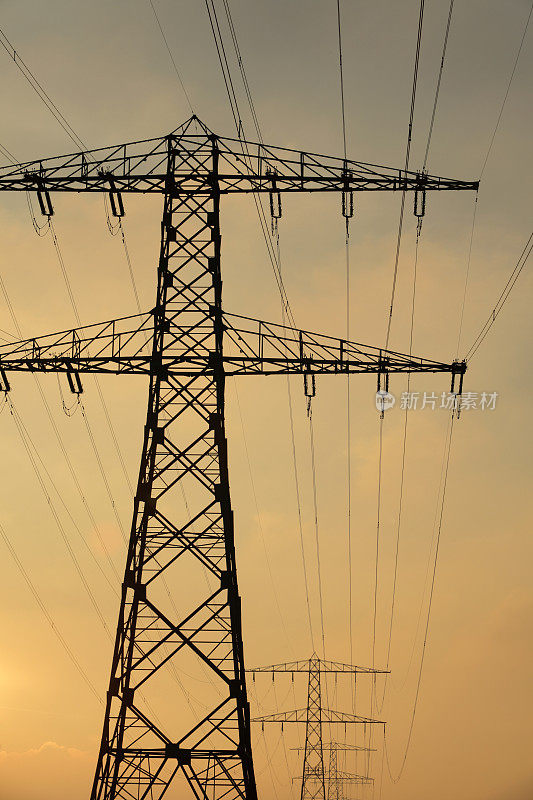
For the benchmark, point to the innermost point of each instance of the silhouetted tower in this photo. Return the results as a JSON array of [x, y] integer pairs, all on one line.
[[334, 784], [313, 766], [334, 778], [337, 779], [315, 779], [186, 346]]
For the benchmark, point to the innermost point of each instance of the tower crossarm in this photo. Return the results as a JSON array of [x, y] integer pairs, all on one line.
[[251, 347], [342, 748], [341, 777], [311, 665], [244, 167], [258, 347], [350, 777], [327, 715], [119, 345]]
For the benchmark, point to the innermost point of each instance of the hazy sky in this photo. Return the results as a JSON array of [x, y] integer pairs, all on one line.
[[106, 67]]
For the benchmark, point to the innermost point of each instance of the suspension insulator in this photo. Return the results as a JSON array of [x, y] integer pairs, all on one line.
[[5, 386], [420, 203], [309, 384], [347, 204], [45, 202], [74, 382], [115, 196], [117, 206], [274, 197], [419, 206], [275, 204], [347, 193]]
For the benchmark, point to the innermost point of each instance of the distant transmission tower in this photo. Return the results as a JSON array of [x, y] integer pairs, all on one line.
[[315, 779], [336, 778], [186, 345]]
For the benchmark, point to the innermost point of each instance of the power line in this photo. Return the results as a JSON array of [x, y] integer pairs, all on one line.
[[407, 156], [40, 91], [348, 414], [169, 51], [80, 492], [515, 274], [274, 254], [109, 422], [57, 114], [467, 276], [62, 446], [487, 154], [428, 617], [243, 71], [29, 446], [506, 92], [102, 472], [526, 252], [341, 78], [437, 90], [239, 126], [224, 66], [402, 482], [317, 538], [259, 520], [38, 599], [299, 507], [7, 154], [258, 201]]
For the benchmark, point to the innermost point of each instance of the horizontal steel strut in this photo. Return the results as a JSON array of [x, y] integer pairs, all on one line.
[[187, 346]]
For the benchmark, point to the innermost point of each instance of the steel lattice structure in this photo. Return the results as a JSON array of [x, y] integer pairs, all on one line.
[[335, 778], [315, 779], [187, 345]]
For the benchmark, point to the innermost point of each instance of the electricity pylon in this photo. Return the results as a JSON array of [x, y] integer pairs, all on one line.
[[334, 777], [187, 345], [315, 778], [337, 778]]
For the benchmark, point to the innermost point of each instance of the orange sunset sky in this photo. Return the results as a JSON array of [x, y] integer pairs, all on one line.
[[106, 67]]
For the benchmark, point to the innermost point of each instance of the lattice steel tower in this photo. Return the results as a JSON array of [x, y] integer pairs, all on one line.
[[186, 345], [317, 782]]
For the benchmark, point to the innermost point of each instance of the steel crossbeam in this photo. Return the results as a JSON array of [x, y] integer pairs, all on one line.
[[251, 347]]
